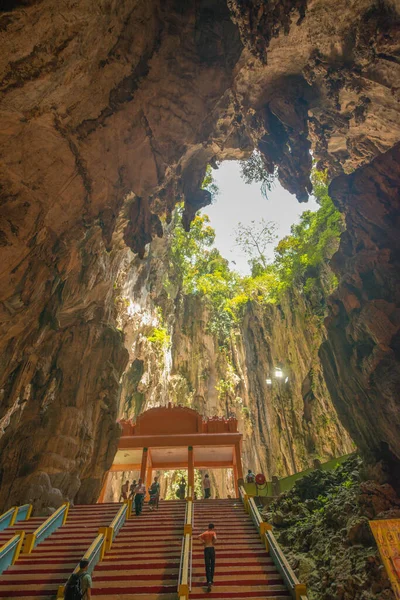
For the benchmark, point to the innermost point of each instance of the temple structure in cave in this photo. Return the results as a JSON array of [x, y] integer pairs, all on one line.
[[175, 437]]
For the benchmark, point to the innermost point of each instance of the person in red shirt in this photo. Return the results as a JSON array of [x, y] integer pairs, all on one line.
[[208, 539]]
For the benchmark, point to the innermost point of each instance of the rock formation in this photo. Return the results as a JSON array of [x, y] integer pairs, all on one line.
[[322, 523], [361, 355], [109, 113]]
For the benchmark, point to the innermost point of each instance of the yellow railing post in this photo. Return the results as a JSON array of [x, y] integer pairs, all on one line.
[[14, 517], [18, 547], [188, 526], [300, 591], [129, 510], [29, 543], [66, 504], [107, 532]]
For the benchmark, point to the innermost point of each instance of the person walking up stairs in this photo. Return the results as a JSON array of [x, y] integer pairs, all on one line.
[[243, 569]]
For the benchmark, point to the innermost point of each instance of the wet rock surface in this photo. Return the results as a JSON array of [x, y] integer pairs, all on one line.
[[322, 524]]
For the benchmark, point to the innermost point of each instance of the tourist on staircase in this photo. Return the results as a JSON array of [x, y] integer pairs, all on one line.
[[207, 486], [182, 489], [124, 491], [250, 477], [140, 492], [132, 489], [79, 584], [154, 491], [208, 538]]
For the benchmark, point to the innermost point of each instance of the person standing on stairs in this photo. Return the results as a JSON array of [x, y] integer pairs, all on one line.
[[124, 491], [207, 486], [154, 491], [208, 538], [132, 489], [79, 584], [140, 492], [250, 477]]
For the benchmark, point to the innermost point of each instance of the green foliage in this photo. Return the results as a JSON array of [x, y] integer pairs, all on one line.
[[197, 268], [201, 270], [159, 337], [253, 170], [298, 256], [209, 183]]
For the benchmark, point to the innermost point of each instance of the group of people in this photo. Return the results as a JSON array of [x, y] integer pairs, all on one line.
[[137, 491]]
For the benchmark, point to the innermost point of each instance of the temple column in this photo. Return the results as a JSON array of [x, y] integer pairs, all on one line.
[[238, 460], [235, 480], [143, 466], [191, 469], [149, 479]]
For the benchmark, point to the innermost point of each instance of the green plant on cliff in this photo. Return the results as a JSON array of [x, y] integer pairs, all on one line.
[[160, 337], [201, 270], [298, 256], [209, 183], [254, 170]]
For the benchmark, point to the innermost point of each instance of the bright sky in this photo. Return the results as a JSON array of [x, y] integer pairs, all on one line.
[[238, 201]]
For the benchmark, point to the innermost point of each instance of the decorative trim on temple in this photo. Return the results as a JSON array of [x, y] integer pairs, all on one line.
[[175, 419]]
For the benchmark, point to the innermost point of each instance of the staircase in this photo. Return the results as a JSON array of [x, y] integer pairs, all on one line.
[[39, 574], [243, 569], [143, 563], [28, 526]]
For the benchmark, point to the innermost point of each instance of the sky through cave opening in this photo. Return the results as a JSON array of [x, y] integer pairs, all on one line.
[[238, 201]]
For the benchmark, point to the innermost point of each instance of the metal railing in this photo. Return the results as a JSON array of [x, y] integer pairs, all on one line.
[[185, 566], [15, 514], [94, 554], [56, 520], [297, 589], [10, 551], [112, 530]]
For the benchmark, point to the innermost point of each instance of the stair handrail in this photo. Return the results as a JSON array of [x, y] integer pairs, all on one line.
[[185, 566], [10, 551], [56, 520], [298, 590], [94, 554], [113, 529], [15, 514]]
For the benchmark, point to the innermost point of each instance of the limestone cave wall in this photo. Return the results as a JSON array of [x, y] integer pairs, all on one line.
[[109, 112], [361, 354]]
